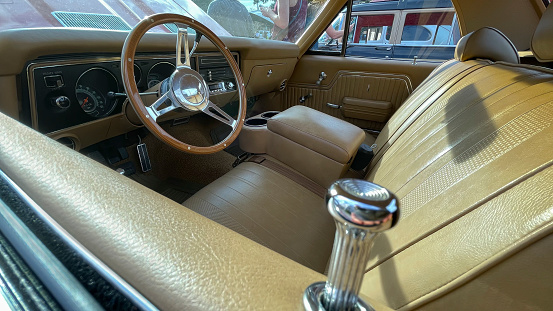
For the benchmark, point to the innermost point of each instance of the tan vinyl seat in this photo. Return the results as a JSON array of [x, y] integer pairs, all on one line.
[[272, 210], [469, 154], [237, 197]]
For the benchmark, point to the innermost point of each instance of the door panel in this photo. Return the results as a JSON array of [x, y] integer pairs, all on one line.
[[364, 92]]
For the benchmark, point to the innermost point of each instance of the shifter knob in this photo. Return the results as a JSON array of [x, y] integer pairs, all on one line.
[[363, 204], [361, 210]]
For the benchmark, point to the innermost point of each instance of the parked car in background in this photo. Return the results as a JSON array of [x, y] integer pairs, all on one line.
[[97, 14], [399, 29]]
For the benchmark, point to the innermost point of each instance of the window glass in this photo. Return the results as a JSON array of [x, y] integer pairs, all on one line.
[[369, 28], [428, 28], [443, 35], [261, 19], [332, 37], [416, 33], [395, 29]]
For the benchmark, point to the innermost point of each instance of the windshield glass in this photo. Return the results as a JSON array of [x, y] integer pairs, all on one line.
[[284, 20]]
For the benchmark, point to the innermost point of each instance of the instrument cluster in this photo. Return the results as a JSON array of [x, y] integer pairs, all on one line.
[[66, 93]]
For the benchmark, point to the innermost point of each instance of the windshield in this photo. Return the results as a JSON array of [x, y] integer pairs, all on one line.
[[284, 20]]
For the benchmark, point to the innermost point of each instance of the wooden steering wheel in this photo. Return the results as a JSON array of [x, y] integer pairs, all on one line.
[[187, 89]]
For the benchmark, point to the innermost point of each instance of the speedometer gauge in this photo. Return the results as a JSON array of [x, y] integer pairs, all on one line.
[[90, 101], [92, 89]]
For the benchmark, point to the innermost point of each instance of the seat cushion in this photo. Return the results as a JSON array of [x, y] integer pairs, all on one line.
[[272, 210]]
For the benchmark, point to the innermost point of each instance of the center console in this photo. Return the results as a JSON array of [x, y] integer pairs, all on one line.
[[319, 146]]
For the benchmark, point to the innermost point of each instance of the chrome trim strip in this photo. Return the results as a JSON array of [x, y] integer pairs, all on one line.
[[113, 278], [7, 299], [52, 273]]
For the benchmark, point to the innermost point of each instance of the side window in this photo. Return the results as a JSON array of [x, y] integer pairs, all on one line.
[[395, 30], [428, 35], [331, 39], [416, 33], [372, 29], [431, 28], [444, 35]]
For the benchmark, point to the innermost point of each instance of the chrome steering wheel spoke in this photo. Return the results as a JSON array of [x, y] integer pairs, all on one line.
[[168, 100], [182, 38], [215, 112]]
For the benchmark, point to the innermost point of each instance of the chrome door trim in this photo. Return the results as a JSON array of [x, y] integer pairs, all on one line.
[[107, 273]]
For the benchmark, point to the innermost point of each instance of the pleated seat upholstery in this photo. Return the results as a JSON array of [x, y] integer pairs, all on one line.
[[469, 154], [243, 199]]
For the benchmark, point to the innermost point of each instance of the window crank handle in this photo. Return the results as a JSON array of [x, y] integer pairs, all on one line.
[[305, 97], [322, 76]]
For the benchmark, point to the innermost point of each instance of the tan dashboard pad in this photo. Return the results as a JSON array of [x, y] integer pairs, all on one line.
[[127, 59]]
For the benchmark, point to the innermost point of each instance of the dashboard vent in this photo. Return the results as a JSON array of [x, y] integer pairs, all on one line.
[[213, 61], [66, 141], [91, 20], [215, 68]]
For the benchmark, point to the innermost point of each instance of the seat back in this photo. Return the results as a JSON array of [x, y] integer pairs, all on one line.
[[472, 166]]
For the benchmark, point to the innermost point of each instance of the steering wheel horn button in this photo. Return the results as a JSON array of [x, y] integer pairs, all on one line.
[[190, 89]]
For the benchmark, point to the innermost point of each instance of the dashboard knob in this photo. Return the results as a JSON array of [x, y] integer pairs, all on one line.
[[62, 102], [230, 85]]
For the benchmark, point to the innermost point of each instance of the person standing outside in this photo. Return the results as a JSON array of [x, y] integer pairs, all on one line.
[[288, 17]]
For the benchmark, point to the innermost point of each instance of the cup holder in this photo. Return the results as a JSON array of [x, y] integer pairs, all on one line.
[[269, 114], [256, 122]]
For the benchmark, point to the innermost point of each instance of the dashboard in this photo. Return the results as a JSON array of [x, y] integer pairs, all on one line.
[[70, 92], [71, 89]]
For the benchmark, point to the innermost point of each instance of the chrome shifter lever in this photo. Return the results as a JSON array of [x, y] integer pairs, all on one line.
[[361, 210]]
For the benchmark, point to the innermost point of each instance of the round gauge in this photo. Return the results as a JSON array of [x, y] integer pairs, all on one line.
[[153, 80], [91, 91], [137, 74], [88, 99], [159, 72]]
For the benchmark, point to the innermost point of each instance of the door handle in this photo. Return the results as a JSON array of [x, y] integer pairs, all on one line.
[[383, 48], [331, 105], [305, 97]]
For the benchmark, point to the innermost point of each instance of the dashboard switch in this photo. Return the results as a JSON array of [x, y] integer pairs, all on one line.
[[54, 81], [62, 102]]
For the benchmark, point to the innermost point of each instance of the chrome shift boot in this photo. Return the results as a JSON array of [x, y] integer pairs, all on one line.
[[361, 210]]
